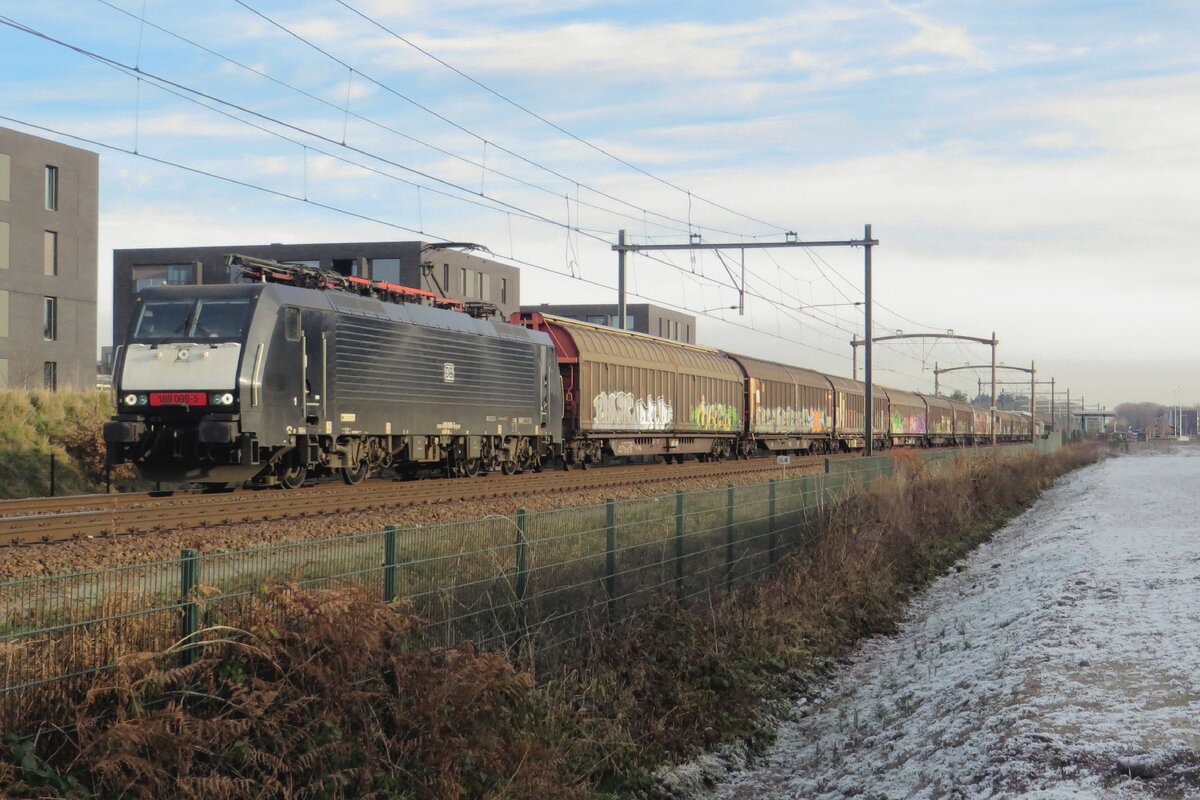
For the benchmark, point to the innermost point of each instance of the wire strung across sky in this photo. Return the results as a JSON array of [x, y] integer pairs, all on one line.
[[467, 195]]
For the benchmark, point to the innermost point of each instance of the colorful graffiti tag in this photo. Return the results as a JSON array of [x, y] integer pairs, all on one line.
[[908, 423], [790, 420], [714, 416], [623, 411]]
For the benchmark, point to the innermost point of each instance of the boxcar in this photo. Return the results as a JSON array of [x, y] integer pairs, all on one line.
[[941, 420], [964, 422], [983, 425], [788, 409], [849, 403], [629, 394], [908, 423]]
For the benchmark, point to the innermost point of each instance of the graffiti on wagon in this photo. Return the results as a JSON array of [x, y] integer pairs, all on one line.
[[623, 411]]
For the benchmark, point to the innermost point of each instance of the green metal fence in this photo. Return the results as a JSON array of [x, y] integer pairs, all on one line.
[[542, 578]]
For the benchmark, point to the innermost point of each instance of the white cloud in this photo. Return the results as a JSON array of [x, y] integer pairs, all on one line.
[[1065, 140], [936, 38]]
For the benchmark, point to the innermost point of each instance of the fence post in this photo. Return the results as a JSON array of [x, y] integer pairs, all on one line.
[[679, 544], [522, 567], [729, 537], [610, 557], [771, 523], [52, 462], [389, 563], [189, 579]]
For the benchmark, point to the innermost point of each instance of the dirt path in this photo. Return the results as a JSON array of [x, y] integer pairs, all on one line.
[[1061, 658]]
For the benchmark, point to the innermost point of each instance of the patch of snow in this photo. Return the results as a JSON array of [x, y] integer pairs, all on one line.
[[1062, 660]]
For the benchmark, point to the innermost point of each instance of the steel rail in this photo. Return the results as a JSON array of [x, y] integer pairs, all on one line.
[[144, 513]]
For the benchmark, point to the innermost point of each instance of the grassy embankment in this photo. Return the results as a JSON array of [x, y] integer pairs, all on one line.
[[313, 697], [68, 424]]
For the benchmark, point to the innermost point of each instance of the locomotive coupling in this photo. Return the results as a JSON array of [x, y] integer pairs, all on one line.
[[218, 430], [123, 431]]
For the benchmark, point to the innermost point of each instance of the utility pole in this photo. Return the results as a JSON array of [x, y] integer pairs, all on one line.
[[621, 280], [1032, 400], [869, 336], [995, 418], [791, 240], [937, 388]]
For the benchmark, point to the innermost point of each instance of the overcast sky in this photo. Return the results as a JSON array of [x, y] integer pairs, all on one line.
[[1029, 168]]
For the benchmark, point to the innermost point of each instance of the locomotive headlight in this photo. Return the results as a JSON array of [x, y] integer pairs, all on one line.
[[223, 399], [130, 399]]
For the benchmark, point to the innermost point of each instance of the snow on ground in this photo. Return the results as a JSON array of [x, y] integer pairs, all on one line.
[[1062, 654]]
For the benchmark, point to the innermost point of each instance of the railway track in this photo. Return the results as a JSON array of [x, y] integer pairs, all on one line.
[[50, 520]]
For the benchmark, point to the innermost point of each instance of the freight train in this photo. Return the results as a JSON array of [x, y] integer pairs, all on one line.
[[296, 372]]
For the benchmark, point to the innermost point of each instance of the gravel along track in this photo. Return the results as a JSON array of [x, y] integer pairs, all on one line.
[[77, 538], [1060, 660]]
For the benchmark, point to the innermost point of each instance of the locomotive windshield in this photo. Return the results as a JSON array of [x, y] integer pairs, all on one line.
[[216, 318]]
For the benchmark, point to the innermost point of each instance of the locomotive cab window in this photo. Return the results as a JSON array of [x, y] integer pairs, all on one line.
[[291, 324], [163, 320], [220, 319], [190, 320]]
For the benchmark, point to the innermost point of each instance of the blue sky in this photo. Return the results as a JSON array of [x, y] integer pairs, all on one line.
[[1029, 168]]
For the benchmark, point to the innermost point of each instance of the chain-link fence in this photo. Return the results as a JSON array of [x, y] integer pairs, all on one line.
[[540, 578]]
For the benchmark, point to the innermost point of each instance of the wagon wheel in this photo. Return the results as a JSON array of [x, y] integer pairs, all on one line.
[[472, 467], [508, 467], [292, 476], [356, 474]]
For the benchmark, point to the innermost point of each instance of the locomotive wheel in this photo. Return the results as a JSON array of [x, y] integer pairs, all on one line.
[[508, 467], [355, 475], [293, 476], [471, 467]]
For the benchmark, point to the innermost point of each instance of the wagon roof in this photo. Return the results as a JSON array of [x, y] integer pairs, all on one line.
[[609, 345], [783, 373], [901, 396]]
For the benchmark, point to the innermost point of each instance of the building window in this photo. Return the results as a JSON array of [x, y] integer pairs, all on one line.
[[660, 327], [4, 313], [485, 286], [687, 332], [597, 319], [50, 252], [51, 187], [163, 275], [385, 269], [5, 173], [503, 291], [5, 238], [446, 278], [50, 374], [50, 318]]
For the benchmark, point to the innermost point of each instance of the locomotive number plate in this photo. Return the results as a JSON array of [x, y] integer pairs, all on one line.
[[178, 399]]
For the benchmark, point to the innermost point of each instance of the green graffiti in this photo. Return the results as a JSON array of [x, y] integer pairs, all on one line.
[[714, 416]]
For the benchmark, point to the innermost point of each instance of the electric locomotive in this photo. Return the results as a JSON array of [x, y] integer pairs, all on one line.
[[303, 372]]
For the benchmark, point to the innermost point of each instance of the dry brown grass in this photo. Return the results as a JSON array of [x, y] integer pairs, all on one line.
[[66, 423], [318, 693]]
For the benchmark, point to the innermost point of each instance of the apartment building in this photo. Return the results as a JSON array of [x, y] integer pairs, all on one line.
[[48, 222]]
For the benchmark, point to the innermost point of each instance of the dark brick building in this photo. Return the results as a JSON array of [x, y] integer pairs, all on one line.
[[641, 317], [448, 270]]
